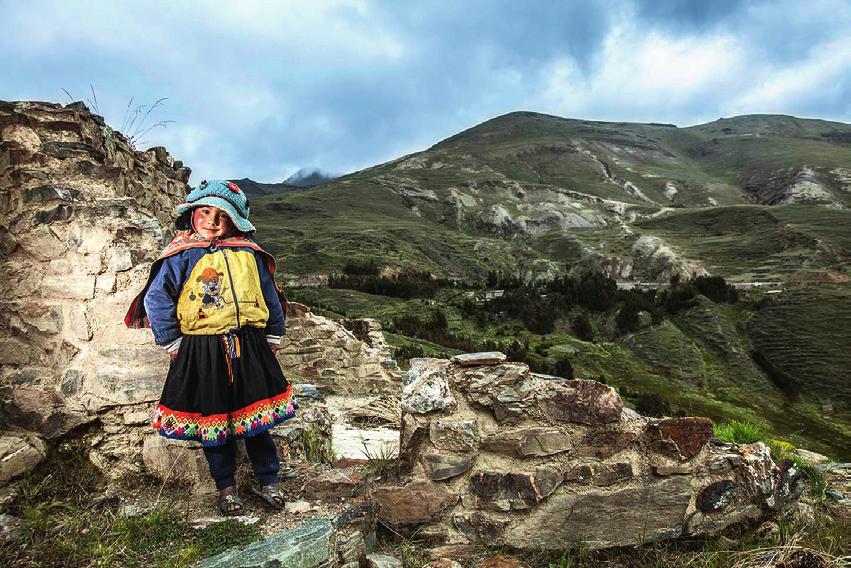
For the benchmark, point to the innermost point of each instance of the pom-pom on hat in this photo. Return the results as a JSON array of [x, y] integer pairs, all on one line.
[[223, 194]]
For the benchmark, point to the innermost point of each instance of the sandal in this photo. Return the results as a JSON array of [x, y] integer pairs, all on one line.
[[269, 493], [231, 505]]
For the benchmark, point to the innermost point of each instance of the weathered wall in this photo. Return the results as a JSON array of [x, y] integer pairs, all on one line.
[[350, 357], [493, 454], [82, 216]]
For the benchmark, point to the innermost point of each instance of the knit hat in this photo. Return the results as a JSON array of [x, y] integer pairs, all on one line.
[[223, 194]]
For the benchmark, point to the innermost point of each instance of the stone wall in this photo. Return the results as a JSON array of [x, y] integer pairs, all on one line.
[[350, 357], [495, 455], [82, 214], [82, 217]]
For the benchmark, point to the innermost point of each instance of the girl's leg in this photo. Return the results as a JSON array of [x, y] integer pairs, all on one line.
[[222, 462], [264, 457]]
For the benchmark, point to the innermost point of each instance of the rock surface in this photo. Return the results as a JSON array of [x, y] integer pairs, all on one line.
[[307, 546], [535, 462], [19, 453], [414, 503], [382, 561], [485, 358]]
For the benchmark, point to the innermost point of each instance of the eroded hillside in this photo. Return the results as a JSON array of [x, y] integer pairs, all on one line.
[[543, 195]]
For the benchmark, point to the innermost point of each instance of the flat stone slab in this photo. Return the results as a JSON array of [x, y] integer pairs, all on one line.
[[382, 561], [359, 444], [307, 546], [483, 358], [601, 519]]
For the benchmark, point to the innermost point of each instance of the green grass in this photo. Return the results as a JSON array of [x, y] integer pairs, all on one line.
[[753, 242], [806, 334], [65, 534], [743, 432], [63, 523], [739, 432]]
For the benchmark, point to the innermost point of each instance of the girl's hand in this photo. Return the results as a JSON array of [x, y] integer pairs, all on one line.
[[274, 347], [173, 354]]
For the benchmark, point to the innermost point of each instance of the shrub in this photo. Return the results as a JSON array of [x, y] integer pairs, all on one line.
[[678, 297], [407, 284], [363, 268], [627, 319], [563, 368], [582, 327], [716, 289]]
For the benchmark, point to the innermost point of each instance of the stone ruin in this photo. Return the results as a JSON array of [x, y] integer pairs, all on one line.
[[493, 454], [350, 357], [82, 216], [489, 453]]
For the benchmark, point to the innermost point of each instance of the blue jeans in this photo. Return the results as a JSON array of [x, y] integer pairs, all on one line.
[[261, 451]]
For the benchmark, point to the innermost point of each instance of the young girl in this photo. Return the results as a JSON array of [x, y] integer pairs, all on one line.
[[213, 305]]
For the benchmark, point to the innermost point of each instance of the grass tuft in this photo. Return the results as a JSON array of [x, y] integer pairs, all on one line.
[[740, 432]]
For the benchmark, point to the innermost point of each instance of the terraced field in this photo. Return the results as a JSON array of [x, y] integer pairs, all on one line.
[[754, 242], [805, 334]]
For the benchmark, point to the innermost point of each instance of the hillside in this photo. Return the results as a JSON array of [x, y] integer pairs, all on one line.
[[753, 199], [543, 195]]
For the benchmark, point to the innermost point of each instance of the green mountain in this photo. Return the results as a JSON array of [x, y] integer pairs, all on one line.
[[539, 194], [760, 198]]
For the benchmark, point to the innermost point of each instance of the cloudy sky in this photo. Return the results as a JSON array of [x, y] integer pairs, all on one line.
[[260, 89]]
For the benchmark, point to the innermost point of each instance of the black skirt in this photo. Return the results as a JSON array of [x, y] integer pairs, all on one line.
[[222, 387]]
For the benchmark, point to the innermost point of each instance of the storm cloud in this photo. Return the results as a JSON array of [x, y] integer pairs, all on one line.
[[260, 89]]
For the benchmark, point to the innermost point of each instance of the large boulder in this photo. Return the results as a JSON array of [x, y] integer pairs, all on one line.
[[539, 462]]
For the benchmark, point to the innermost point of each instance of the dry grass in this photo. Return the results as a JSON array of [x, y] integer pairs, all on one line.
[[377, 411]]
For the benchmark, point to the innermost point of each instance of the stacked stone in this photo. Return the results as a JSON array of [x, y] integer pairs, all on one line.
[[82, 214], [82, 217], [336, 359], [495, 455]]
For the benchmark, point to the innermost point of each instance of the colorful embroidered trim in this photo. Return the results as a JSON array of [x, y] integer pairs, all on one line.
[[216, 429]]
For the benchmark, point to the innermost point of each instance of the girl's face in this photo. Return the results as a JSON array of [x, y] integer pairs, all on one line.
[[211, 222]]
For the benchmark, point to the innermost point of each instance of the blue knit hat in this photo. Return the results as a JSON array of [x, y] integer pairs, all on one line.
[[223, 194]]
